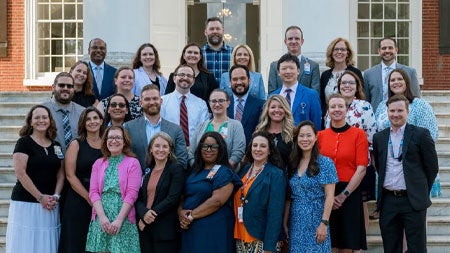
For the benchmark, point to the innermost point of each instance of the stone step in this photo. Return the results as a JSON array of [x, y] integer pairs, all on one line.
[[2, 244], [444, 131], [9, 132], [7, 145], [439, 207], [5, 190], [443, 118], [16, 107], [440, 106], [12, 119], [443, 143], [444, 174], [435, 95], [435, 244], [4, 207], [7, 175], [445, 189], [436, 225], [3, 224], [35, 96], [443, 158], [6, 159]]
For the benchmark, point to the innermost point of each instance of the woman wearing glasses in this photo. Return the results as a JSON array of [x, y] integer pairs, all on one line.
[[118, 110], [124, 80], [230, 129], [205, 82], [339, 58], [114, 186], [206, 214]]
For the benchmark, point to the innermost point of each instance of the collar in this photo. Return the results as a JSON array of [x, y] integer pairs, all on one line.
[[178, 95], [393, 65], [93, 65], [236, 98], [293, 88], [222, 48], [340, 129], [150, 123], [57, 106], [401, 130]]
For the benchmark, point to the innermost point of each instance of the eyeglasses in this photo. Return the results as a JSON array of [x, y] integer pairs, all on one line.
[[218, 101], [68, 85], [213, 147], [337, 49], [115, 104], [183, 75], [115, 138], [348, 83]]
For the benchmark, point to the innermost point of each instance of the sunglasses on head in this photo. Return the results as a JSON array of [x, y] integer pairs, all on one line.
[[68, 85], [115, 104]]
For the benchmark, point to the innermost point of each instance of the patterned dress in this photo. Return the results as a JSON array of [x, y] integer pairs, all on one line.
[[307, 205], [135, 107], [127, 240], [421, 114]]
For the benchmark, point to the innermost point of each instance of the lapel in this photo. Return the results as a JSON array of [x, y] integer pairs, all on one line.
[[379, 80], [383, 152], [248, 110], [299, 93], [407, 136], [302, 68], [162, 179], [142, 128], [230, 110], [94, 84], [260, 178]]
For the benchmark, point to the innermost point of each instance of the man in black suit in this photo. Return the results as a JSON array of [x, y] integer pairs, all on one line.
[[103, 73], [407, 164], [244, 107]]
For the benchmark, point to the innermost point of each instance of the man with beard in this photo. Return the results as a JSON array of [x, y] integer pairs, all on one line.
[[376, 78], [103, 73], [65, 112], [217, 54], [243, 106], [143, 128], [309, 70], [181, 107]]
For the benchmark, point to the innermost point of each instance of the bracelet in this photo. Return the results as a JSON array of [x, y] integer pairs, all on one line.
[[57, 196], [40, 198]]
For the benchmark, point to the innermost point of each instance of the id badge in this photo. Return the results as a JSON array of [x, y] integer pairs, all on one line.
[[240, 214], [58, 152], [307, 68]]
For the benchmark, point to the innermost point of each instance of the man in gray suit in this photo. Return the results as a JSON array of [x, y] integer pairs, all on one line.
[[143, 128], [376, 78], [309, 70]]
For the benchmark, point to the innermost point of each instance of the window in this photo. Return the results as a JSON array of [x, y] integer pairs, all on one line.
[[378, 19]]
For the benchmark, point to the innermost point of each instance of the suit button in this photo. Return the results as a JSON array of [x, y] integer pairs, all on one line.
[[246, 201]]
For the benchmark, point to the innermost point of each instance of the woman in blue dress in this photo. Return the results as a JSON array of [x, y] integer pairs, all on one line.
[[312, 178], [206, 214]]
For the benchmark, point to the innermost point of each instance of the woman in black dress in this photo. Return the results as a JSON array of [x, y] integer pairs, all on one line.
[[80, 156]]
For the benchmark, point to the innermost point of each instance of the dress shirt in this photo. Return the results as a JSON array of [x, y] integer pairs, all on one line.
[[236, 102], [291, 94], [217, 62], [151, 129], [394, 178], [384, 76], [94, 68], [196, 108]]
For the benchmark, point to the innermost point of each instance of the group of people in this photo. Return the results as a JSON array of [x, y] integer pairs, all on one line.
[[204, 161]]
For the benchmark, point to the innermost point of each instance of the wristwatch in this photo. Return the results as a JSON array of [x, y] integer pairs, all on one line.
[[325, 222], [346, 193]]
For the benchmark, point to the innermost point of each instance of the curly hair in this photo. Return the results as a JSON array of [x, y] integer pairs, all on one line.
[[274, 155], [27, 129]]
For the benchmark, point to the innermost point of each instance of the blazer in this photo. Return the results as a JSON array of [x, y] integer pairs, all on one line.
[[129, 182], [310, 80], [136, 129], [306, 106], [256, 87], [165, 204], [108, 85], [264, 205], [420, 164], [235, 140], [373, 84], [250, 118], [325, 77]]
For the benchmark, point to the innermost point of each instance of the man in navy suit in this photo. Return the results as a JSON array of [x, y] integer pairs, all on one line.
[[375, 79], [304, 102], [103, 73], [309, 75], [407, 164], [244, 107]]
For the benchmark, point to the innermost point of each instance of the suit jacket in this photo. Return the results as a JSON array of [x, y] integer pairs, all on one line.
[[373, 84], [306, 106], [311, 80], [250, 118], [264, 205], [420, 164], [136, 129], [165, 204], [108, 85]]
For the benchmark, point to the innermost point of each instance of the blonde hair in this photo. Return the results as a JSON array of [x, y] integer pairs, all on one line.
[[251, 62], [288, 121], [348, 61]]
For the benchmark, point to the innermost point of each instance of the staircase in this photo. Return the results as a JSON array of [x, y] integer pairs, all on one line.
[[15, 105]]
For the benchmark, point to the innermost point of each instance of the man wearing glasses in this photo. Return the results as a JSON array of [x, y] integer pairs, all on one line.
[[65, 112]]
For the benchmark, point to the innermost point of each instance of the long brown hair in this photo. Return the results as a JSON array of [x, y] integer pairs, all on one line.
[[87, 86], [27, 129], [82, 132], [408, 93], [201, 63], [137, 58], [359, 94], [126, 142]]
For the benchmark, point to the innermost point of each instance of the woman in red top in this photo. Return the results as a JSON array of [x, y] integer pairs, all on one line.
[[348, 147]]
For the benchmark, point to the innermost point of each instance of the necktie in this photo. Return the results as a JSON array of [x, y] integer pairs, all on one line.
[[66, 127], [184, 119], [239, 110], [99, 79], [387, 71], [288, 96]]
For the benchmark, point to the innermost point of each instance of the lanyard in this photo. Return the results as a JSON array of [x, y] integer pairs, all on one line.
[[400, 149], [248, 179]]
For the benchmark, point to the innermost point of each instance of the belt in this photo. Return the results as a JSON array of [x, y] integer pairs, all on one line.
[[396, 193]]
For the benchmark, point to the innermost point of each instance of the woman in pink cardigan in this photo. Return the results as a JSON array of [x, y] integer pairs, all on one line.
[[115, 182]]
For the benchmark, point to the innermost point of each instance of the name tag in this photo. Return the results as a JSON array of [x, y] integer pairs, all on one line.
[[307, 68]]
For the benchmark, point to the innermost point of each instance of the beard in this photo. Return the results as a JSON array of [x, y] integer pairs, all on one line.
[[152, 110], [215, 39], [240, 93], [61, 99]]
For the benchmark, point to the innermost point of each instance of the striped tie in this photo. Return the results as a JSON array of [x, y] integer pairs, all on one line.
[[239, 110], [288, 96], [184, 120], [66, 127]]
